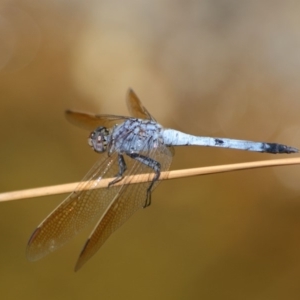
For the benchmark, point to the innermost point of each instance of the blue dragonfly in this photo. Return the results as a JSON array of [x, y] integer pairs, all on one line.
[[133, 145]]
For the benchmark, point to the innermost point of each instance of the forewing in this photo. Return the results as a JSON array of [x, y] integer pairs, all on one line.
[[136, 108], [76, 211], [129, 200], [90, 122]]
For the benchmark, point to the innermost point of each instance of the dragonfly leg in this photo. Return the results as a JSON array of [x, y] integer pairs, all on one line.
[[122, 169], [151, 163]]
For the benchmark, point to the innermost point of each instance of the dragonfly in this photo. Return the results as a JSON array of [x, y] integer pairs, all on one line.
[[133, 145]]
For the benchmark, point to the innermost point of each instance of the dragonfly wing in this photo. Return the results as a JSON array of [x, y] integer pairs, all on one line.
[[131, 199], [79, 209], [136, 108], [90, 122]]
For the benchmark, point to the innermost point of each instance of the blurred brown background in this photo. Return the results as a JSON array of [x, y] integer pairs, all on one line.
[[220, 68]]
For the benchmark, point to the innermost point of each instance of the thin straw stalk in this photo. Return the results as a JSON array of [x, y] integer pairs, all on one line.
[[67, 188]]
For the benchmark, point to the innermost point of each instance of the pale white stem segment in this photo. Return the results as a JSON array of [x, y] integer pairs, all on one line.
[[67, 188]]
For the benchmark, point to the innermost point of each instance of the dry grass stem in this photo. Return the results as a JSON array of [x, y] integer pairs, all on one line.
[[67, 188]]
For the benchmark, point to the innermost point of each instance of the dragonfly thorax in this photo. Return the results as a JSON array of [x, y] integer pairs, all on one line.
[[98, 139]]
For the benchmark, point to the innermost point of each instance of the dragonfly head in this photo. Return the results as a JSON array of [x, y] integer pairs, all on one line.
[[98, 139]]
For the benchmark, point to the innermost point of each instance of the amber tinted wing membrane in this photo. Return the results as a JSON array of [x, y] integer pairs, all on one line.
[[129, 200], [78, 210], [136, 108], [90, 122]]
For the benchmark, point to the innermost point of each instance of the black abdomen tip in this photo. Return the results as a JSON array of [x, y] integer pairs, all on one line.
[[279, 148]]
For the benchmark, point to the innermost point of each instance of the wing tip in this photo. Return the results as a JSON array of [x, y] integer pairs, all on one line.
[[81, 261], [31, 240], [130, 93], [33, 236]]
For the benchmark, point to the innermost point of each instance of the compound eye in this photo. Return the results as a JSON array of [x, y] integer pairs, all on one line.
[[90, 139], [98, 139]]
